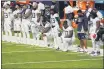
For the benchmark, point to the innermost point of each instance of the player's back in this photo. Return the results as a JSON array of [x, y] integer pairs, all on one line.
[[7, 14], [53, 19], [35, 14], [17, 13], [66, 32], [28, 18]]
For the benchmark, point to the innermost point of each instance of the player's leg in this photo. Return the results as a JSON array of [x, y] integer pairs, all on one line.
[[33, 30], [71, 42], [99, 36], [93, 43], [85, 45], [45, 39], [23, 33], [59, 42], [9, 31], [84, 42], [6, 32], [56, 46], [81, 43], [27, 31], [65, 44], [55, 35]]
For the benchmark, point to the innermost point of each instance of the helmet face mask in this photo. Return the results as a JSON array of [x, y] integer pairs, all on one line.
[[52, 11], [65, 25]]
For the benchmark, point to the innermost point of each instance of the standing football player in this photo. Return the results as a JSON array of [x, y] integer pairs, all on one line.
[[92, 31], [17, 23], [68, 12], [99, 32], [35, 22], [26, 18], [55, 21], [7, 21]]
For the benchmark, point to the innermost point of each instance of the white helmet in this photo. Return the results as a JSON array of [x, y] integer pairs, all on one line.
[[34, 4], [5, 3]]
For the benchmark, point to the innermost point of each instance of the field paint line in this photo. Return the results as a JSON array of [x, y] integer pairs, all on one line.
[[73, 53], [26, 51], [37, 47], [27, 46], [50, 61], [32, 51]]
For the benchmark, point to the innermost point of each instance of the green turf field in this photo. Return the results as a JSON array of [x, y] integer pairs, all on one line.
[[20, 56]]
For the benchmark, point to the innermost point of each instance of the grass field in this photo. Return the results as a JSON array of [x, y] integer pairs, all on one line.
[[20, 56]]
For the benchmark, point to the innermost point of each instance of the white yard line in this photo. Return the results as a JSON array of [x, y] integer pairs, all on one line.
[[50, 61], [26, 51]]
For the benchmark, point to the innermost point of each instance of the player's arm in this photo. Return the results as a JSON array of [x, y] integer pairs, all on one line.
[[11, 15], [38, 17], [97, 25], [27, 14], [2, 17], [58, 20]]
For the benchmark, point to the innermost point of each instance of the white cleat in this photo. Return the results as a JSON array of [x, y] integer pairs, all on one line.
[[85, 50]]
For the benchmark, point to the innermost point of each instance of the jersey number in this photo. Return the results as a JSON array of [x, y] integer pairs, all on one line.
[[52, 20], [66, 33], [5, 15]]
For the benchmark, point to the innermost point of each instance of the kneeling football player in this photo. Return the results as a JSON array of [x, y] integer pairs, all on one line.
[[67, 36]]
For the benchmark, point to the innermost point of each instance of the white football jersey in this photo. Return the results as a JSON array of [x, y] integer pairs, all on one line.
[[68, 9], [16, 12], [93, 25], [66, 31], [53, 20], [7, 14], [34, 15], [29, 18]]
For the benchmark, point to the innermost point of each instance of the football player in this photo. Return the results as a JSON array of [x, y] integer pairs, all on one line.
[[7, 21], [67, 36], [93, 27], [68, 12], [35, 22], [100, 36], [26, 17], [46, 34], [55, 22], [17, 22]]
